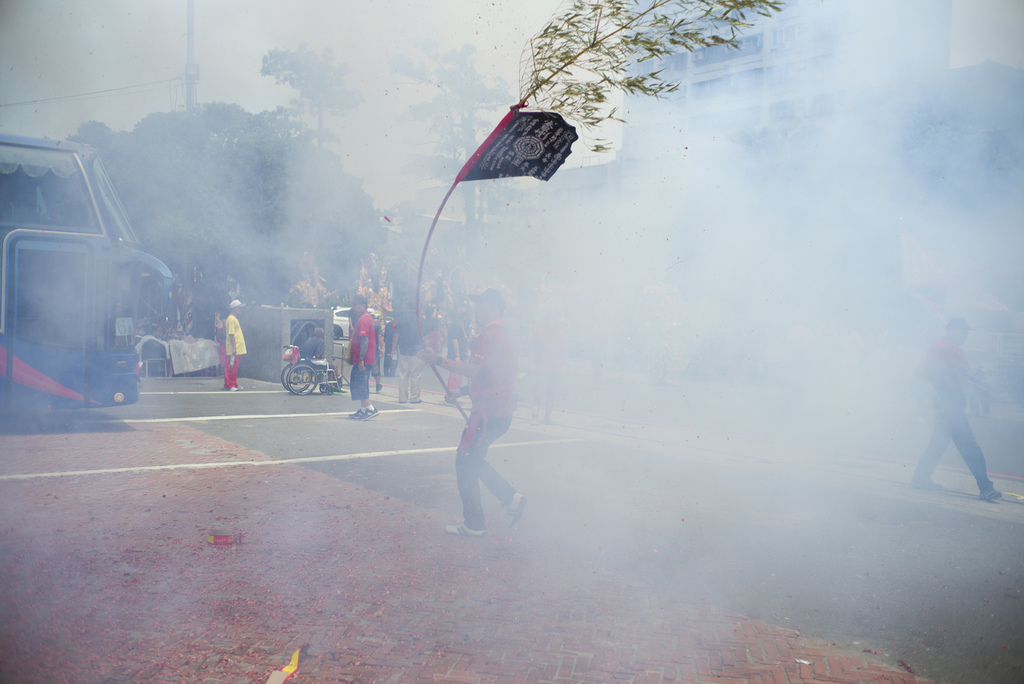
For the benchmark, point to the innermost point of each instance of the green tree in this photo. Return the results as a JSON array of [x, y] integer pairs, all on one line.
[[596, 47], [456, 118], [460, 109], [319, 81], [238, 195]]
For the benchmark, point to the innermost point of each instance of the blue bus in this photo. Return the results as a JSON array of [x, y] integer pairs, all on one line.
[[74, 286]]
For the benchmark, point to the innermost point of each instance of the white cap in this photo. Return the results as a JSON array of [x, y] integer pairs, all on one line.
[[235, 304]]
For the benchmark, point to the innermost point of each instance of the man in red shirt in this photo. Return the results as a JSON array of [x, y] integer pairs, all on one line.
[[946, 369], [491, 370], [364, 353]]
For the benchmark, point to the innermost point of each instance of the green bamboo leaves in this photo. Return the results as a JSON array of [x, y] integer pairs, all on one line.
[[590, 50]]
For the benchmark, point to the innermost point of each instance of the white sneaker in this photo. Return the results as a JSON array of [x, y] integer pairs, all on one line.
[[461, 530], [234, 389]]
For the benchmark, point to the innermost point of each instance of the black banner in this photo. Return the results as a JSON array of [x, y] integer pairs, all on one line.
[[532, 144]]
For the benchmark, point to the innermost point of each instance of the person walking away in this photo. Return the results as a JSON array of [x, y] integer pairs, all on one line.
[[235, 346], [378, 332], [458, 346], [550, 349], [220, 336], [946, 369], [407, 344], [390, 357], [431, 330], [491, 373], [364, 351]]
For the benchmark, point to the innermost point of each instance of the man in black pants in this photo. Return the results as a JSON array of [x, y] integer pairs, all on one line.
[[946, 369]]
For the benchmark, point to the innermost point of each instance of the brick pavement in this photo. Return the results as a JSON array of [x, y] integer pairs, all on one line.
[[108, 578]]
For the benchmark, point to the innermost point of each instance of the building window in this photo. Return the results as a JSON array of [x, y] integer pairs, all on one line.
[[788, 74], [823, 105], [751, 45], [676, 62], [735, 83], [787, 37], [748, 80], [781, 111]]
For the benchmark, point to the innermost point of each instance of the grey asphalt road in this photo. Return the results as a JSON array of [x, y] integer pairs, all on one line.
[[822, 536]]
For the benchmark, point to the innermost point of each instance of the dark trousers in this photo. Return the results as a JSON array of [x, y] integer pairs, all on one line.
[[472, 468], [951, 425]]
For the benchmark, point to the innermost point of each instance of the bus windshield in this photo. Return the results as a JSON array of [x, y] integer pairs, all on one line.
[[44, 190], [113, 213]]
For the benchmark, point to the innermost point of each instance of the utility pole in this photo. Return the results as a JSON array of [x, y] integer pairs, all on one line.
[[191, 68]]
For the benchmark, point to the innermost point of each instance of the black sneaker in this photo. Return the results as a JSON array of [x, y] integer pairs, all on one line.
[[370, 413], [990, 495], [360, 414], [515, 509], [927, 485]]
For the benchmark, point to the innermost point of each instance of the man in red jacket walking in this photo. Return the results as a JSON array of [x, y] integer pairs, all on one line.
[[491, 370], [946, 369]]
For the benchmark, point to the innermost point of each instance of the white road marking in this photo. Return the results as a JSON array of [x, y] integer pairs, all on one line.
[[279, 461], [223, 392], [252, 416]]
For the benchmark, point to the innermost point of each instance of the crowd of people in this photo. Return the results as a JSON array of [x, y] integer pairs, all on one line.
[[474, 354]]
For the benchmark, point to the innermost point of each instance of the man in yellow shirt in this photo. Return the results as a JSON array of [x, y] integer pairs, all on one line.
[[235, 347]]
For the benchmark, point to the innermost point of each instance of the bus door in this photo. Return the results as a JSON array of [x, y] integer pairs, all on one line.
[[128, 306], [47, 323]]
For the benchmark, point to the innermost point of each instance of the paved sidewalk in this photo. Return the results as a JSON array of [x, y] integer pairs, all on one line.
[[109, 578]]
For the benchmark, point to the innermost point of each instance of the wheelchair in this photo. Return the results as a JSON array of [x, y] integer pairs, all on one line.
[[306, 375], [290, 357]]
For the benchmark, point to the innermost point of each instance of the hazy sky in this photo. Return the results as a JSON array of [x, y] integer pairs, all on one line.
[[60, 48]]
